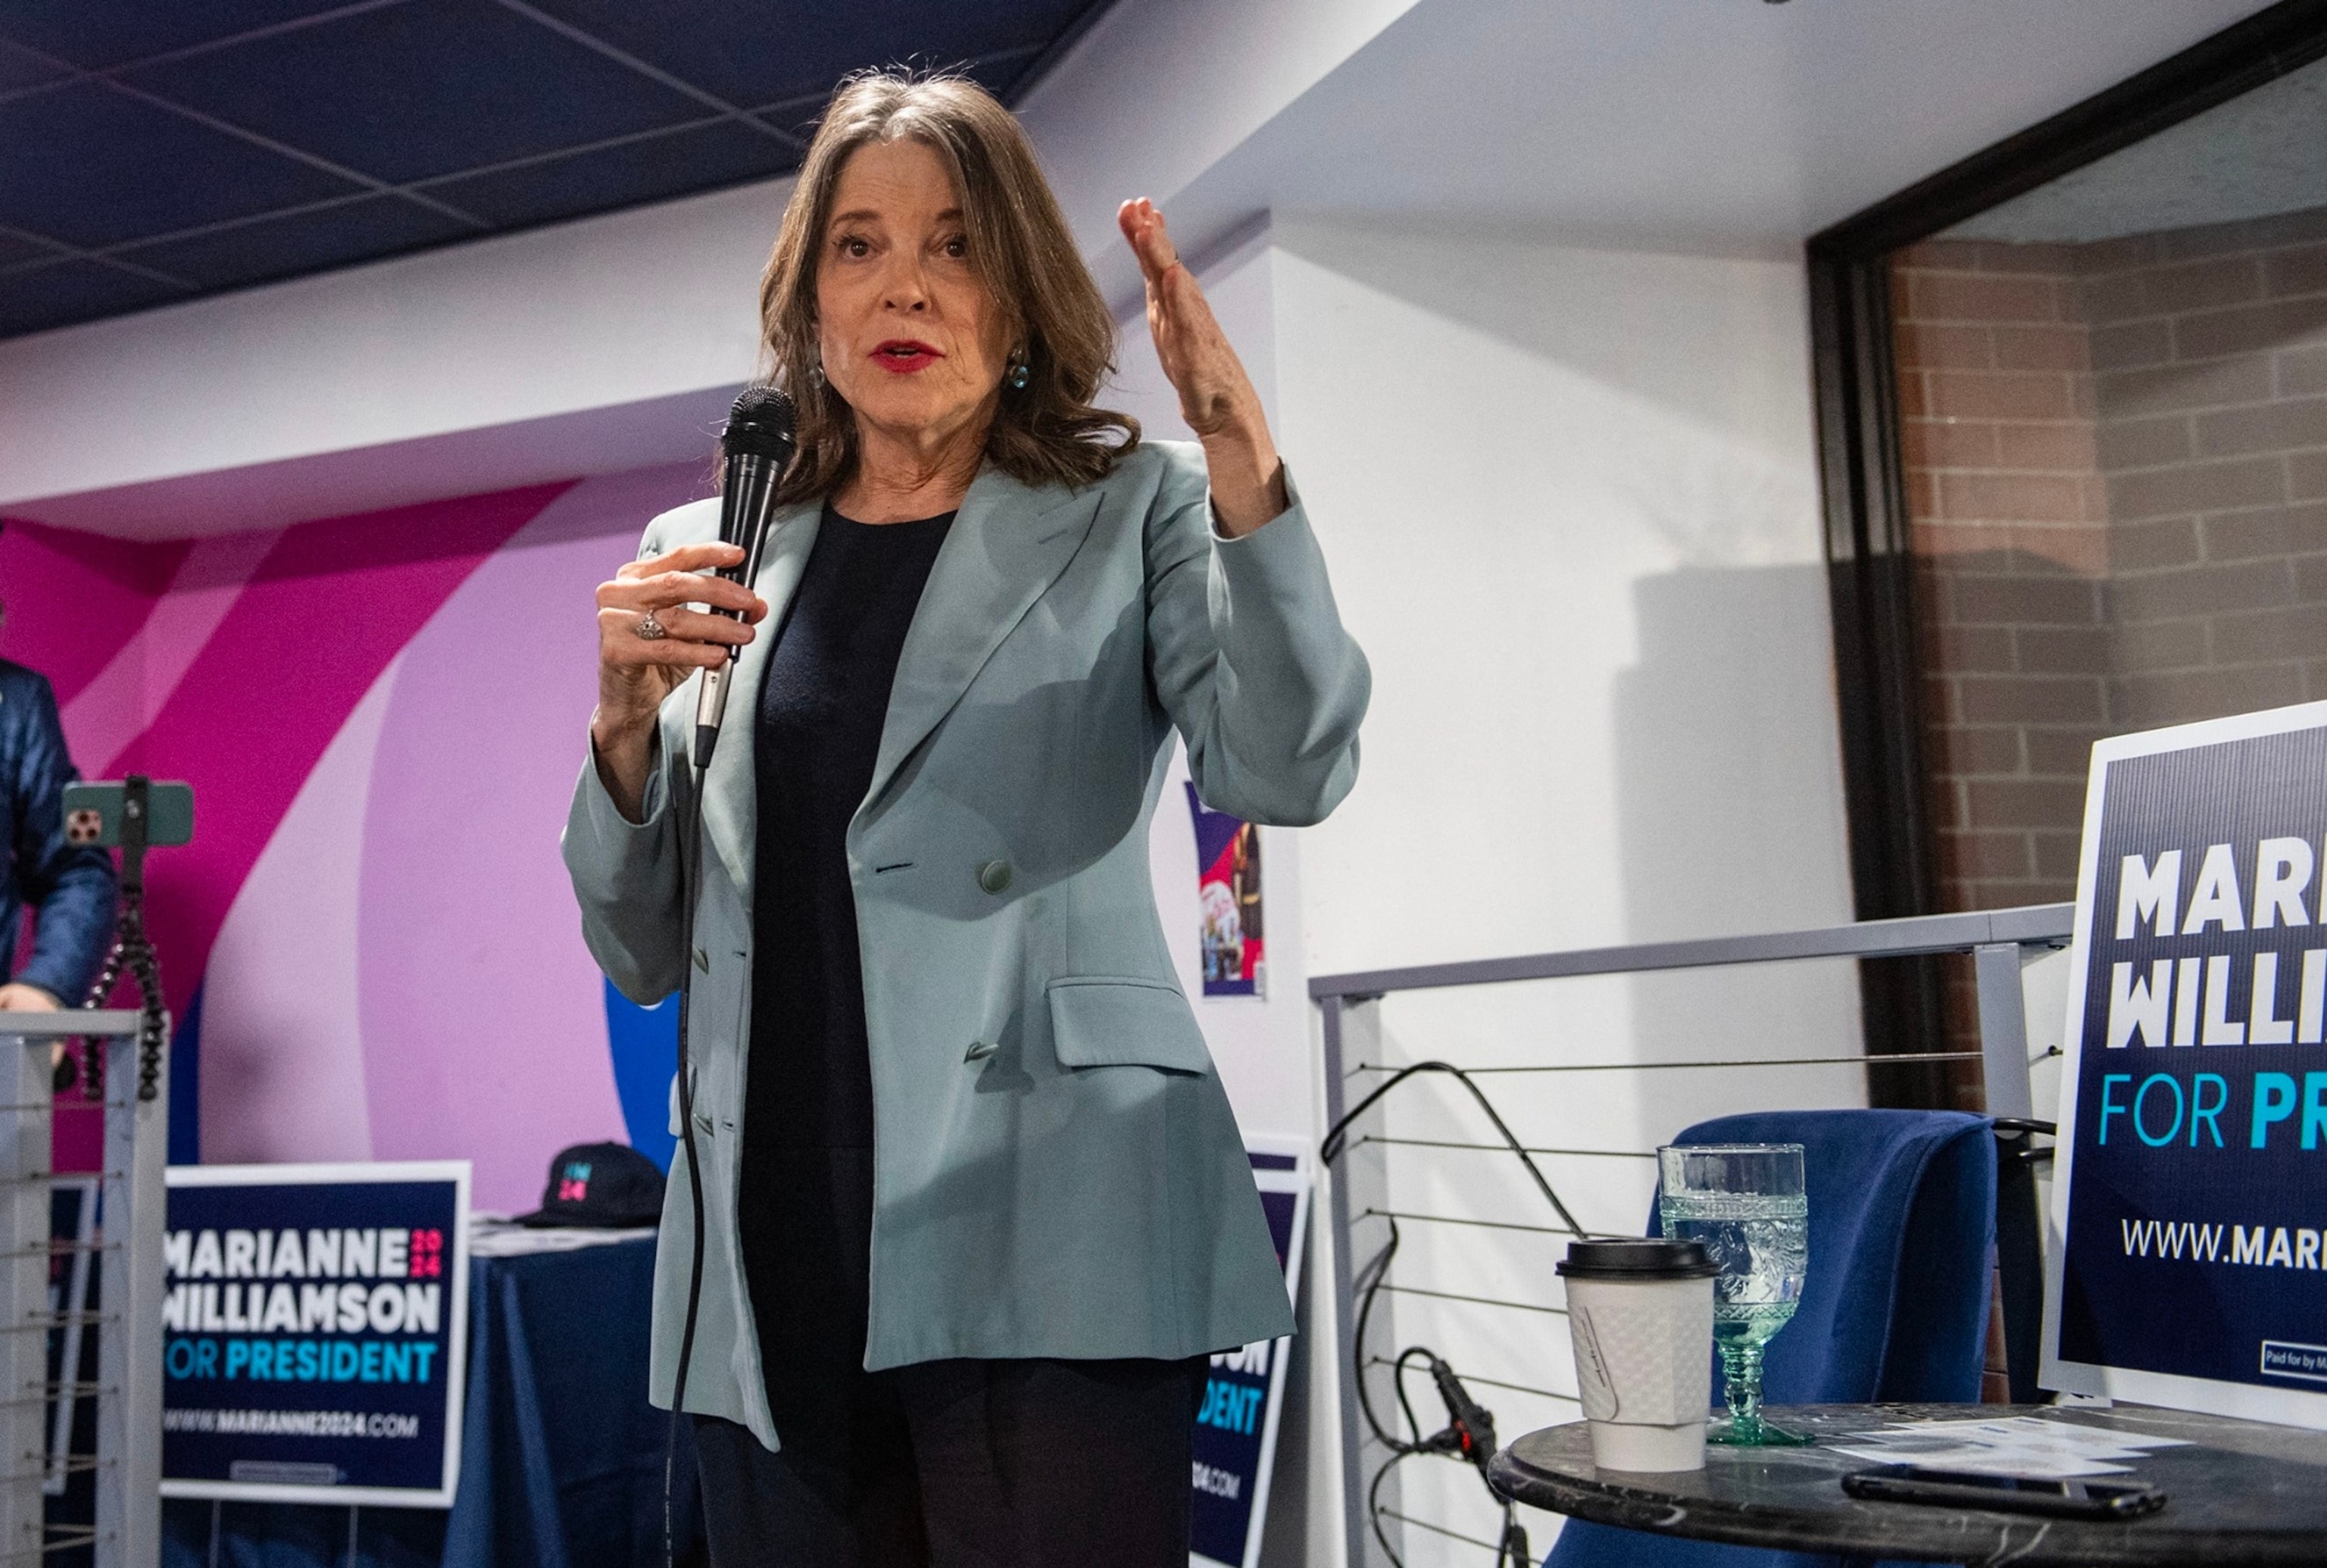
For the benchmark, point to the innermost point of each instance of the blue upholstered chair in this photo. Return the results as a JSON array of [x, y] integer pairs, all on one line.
[[1903, 1234]]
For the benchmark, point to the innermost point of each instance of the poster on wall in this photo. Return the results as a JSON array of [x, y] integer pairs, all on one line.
[[2185, 1266], [1234, 1443], [1231, 943], [314, 1326]]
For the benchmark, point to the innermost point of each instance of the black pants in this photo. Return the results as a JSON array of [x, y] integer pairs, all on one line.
[[969, 1465]]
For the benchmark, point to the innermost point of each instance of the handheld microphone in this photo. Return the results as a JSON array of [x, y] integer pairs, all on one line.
[[758, 446]]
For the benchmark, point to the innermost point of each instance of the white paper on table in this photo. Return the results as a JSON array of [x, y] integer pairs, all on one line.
[[2018, 1445]]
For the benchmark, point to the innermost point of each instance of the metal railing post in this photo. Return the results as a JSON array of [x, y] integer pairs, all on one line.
[[2019, 1244], [24, 1156], [126, 1315], [130, 1349], [1337, 1106], [2003, 1029]]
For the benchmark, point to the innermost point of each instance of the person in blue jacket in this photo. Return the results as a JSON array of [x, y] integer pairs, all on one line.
[[71, 889]]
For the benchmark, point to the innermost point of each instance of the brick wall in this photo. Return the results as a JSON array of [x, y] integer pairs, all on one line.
[[2115, 458], [2210, 360], [2010, 528]]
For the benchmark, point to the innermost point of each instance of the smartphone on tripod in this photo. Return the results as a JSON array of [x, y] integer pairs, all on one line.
[[133, 814], [94, 813]]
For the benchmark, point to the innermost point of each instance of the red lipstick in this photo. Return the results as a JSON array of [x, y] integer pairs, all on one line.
[[903, 356]]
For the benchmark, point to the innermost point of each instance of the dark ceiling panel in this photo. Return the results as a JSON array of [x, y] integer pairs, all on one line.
[[88, 166], [650, 168], [75, 291], [20, 69], [760, 53], [300, 242], [200, 137], [14, 250], [422, 89], [97, 34]]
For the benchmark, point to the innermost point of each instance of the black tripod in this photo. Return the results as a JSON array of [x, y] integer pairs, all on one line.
[[132, 952]]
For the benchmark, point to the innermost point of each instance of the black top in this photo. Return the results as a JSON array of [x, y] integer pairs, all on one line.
[[807, 1198]]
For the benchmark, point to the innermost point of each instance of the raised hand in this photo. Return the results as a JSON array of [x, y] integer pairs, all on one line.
[[649, 642], [1216, 396]]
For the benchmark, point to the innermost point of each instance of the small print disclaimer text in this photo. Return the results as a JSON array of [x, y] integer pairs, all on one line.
[[2281, 1360]]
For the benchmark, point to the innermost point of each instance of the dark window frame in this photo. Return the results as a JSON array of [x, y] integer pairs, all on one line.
[[1878, 667]]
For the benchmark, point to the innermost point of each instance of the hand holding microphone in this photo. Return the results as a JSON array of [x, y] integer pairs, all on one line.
[[650, 638]]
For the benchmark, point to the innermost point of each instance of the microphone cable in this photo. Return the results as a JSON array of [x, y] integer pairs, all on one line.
[[1469, 1434], [1331, 1148], [690, 851], [755, 449]]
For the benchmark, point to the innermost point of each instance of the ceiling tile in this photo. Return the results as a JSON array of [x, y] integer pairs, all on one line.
[[422, 88], [478, 101], [301, 242], [98, 34], [758, 54], [648, 170], [14, 250], [87, 166], [19, 69], [74, 290]]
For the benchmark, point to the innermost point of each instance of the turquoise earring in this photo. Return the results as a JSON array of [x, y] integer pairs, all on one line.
[[1019, 374]]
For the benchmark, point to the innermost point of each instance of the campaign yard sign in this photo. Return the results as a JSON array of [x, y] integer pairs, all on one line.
[[2185, 1266], [314, 1326], [1235, 1437]]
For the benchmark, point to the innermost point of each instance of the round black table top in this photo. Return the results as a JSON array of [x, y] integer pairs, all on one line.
[[2242, 1493]]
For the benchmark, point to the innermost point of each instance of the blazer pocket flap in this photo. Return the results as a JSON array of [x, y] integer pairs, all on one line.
[[1125, 1022]]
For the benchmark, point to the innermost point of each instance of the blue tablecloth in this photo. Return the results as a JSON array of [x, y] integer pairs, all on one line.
[[561, 1456]]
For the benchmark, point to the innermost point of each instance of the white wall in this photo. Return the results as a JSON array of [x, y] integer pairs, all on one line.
[[1570, 504]]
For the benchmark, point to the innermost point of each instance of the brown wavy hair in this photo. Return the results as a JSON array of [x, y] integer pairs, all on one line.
[[1049, 431]]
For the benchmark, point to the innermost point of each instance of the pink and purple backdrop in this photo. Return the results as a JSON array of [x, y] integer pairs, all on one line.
[[370, 947]]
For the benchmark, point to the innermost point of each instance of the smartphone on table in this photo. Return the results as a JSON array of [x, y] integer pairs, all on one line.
[[2074, 1498]]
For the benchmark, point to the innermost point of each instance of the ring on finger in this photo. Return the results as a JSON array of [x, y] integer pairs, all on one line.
[[649, 630]]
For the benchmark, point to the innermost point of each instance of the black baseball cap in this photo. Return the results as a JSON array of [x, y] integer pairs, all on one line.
[[599, 1186]]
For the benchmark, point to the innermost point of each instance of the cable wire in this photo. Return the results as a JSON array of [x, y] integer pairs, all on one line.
[[1374, 1506], [689, 856], [1372, 1281], [1331, 1148]]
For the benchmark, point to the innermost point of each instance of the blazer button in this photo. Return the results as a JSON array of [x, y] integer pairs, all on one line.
[[994, 876]]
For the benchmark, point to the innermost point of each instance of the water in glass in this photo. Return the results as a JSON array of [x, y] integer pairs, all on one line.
[[1747, 1204]]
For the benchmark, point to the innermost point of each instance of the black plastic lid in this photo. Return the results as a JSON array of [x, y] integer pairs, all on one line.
[[1625, 1257]]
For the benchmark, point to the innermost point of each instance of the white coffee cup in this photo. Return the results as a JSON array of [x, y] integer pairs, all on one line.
[[1641, 1314]]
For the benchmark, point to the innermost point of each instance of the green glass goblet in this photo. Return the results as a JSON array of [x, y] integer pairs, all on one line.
[[1746, 1202]]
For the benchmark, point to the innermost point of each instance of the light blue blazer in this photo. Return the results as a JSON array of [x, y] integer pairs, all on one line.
[[1057, 1172]]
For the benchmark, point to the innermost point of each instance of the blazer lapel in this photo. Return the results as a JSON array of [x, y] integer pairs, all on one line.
[[732, 783], [1008, 544]]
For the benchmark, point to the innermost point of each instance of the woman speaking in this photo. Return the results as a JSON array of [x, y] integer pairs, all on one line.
[[977, 1204]]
